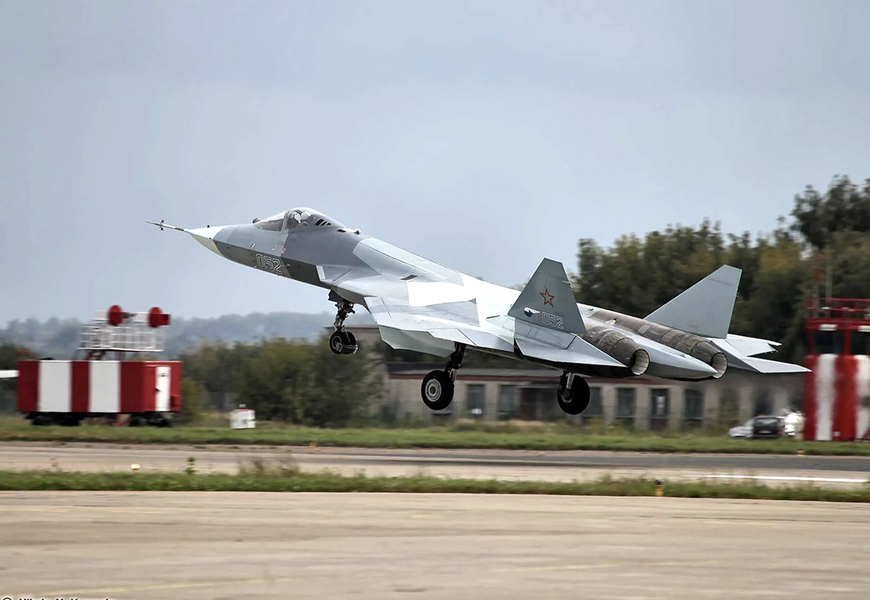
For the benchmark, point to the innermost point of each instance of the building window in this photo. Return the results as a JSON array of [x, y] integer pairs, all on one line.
[[474, 399], [508, 406], [625, 405], [659, 408], [694, 408], [594, 410]]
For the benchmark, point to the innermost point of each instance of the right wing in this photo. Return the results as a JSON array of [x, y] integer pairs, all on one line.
[[432, 317]]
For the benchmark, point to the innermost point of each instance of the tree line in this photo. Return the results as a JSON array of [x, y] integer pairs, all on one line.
[[294, 381], [781, 268]]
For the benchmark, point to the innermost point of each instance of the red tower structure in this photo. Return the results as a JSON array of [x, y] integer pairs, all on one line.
[[107, 376], [837, 391]]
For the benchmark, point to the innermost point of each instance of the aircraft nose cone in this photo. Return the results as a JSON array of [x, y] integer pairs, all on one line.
[[206, 236]]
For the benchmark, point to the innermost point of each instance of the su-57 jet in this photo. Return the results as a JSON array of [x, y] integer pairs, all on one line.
[[422, 306]]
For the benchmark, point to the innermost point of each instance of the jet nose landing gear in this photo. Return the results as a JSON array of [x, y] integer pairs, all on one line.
[[438, 386], [342, 341]]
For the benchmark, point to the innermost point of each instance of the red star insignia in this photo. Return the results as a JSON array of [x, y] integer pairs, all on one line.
[[548, 297]]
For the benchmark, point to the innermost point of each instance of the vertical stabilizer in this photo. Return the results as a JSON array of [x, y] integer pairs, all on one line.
[[548, 300], [704, 309]]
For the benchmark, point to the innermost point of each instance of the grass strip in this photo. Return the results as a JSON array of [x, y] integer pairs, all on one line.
[[252, 481], [428, 438]]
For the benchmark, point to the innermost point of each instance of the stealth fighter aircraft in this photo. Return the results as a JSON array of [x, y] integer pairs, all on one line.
[[423, 306]]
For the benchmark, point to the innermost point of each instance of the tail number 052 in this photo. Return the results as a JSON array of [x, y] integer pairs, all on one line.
[[267, 263], [552, 320]]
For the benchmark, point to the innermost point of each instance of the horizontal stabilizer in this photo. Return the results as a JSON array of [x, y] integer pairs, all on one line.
[[751, 346], [762, 365], [8, 374], [739, 360], [704, 309], [548, 300]]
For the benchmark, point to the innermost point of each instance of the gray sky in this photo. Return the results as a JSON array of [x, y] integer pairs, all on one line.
[[484, 135]]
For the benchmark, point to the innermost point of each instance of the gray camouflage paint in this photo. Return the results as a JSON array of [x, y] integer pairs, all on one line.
[[426, 307]]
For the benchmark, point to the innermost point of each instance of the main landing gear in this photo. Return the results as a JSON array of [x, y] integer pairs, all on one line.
[[342, 341], [438, 386], [573, 393]]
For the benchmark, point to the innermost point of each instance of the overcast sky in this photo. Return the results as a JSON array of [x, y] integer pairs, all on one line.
[[483, 135]]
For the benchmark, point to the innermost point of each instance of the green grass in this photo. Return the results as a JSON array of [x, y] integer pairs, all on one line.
[[290, 480], [543, 438]]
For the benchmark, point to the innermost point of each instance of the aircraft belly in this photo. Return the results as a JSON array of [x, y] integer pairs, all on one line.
[[417, 341]]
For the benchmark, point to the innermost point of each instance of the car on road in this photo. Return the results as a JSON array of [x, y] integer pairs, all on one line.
[[788, 424]]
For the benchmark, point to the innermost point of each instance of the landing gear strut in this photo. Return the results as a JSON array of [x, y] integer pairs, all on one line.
[[573, 393], [438, 386], [342, 341]]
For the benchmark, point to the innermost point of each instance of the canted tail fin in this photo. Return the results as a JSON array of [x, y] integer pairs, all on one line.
[[548, 300], [704, 309]]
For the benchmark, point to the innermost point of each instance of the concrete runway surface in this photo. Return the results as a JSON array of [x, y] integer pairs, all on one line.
[[222, 545], [845, 472]]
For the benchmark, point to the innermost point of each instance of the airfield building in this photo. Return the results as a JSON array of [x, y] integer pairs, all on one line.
[[639, 403]]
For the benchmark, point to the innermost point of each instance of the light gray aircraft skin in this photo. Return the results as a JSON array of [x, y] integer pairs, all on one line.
[[425, 307]]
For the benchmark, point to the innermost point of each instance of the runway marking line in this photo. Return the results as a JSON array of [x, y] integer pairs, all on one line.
[[680, 563], [788, 478], [163, 586]]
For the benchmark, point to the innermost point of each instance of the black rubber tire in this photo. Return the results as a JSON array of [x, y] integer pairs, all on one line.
[[578, 398], [437, 390], [343, 342], [336, 342]]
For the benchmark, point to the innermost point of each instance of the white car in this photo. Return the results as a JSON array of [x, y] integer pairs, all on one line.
[[742, 431]]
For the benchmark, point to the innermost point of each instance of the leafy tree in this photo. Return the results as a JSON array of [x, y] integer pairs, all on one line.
[[843, 207], [193, 396]]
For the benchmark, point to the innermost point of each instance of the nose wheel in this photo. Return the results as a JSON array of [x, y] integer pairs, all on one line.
[[573, 394], [438, 386], [342, 341]]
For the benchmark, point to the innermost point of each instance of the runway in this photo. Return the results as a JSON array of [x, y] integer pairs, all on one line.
[[486, 464], [207, 545]]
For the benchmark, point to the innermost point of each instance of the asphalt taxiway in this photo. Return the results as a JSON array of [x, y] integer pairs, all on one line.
[[144, 545], [478, 464]]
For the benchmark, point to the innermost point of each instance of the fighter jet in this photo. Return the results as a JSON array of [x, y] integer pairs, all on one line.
[[422, 306]]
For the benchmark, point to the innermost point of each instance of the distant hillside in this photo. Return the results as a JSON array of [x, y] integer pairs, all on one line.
[[58, 338]]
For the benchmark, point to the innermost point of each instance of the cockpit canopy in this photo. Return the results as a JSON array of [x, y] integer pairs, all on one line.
[[294, 219]]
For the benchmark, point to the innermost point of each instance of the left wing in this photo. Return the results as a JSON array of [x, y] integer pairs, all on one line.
[[433, 316]]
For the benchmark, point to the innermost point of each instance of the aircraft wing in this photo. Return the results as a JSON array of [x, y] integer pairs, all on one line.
[[432, 329], [8, 374], [432, 316]]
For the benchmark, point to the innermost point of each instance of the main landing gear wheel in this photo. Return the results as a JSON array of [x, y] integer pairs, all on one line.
[[438, 386], [437, 390], [573, 394], [342, 341]]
